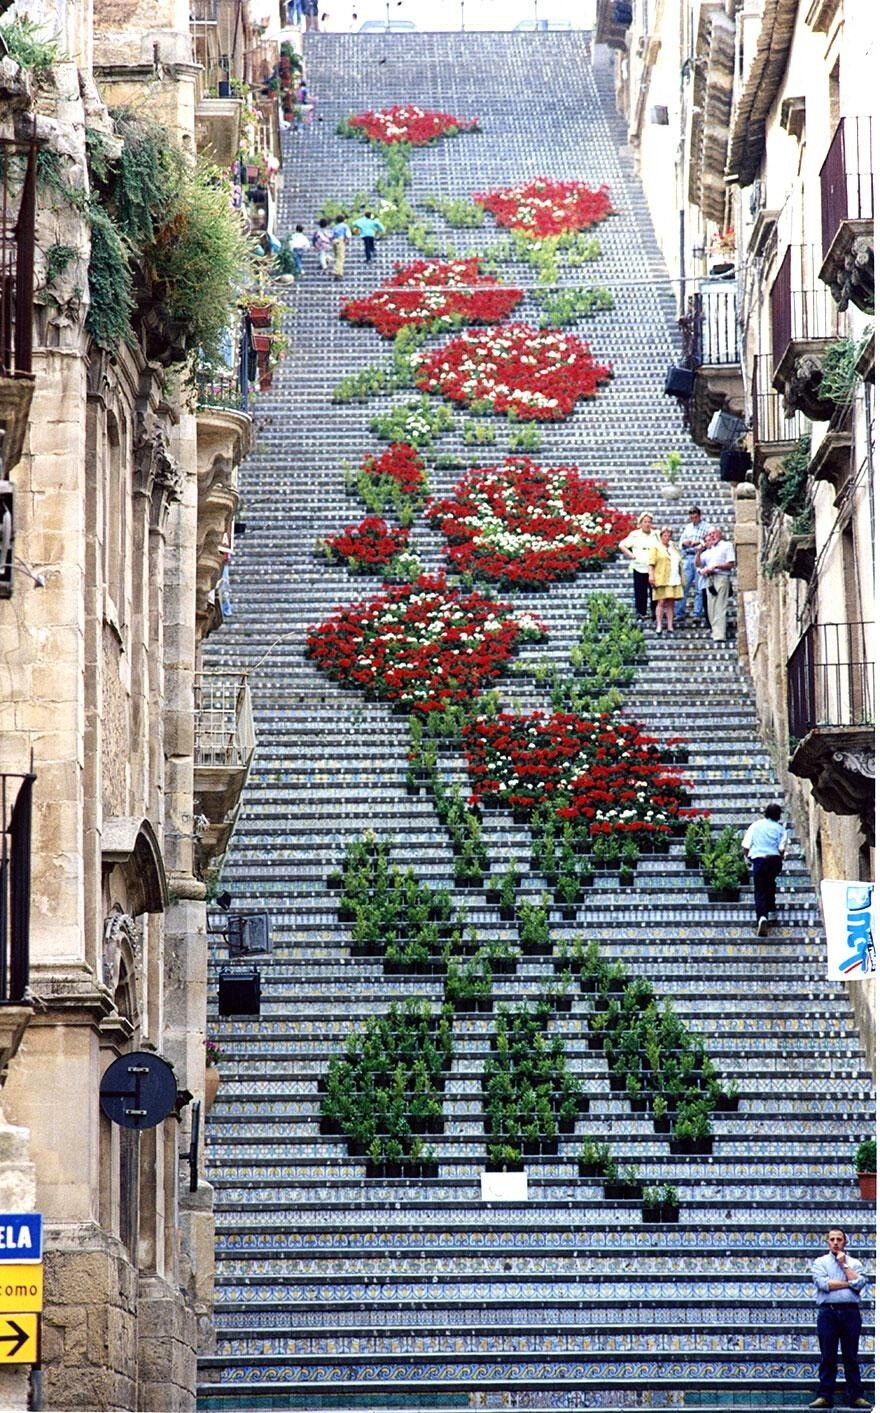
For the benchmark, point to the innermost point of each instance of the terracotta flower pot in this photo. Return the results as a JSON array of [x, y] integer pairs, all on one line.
[[261, 315], [867, 1186], [212, 1084]]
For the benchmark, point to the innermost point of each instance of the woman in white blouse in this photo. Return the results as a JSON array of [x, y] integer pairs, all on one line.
[[637, 547]]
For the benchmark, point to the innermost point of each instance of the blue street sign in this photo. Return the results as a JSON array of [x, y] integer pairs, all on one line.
[[21, 1236]]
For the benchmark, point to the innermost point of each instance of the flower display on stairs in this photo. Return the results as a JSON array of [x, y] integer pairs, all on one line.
[[424, 645], [366, 547], [606, 772], [527, 525], [526, 373], [542, 207], [432, 292], [405, 122]]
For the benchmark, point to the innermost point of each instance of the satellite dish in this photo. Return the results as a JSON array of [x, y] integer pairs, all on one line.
[[138, 1090]]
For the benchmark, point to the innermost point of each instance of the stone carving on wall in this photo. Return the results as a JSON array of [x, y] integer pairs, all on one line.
[[157, 475], [121, 961]]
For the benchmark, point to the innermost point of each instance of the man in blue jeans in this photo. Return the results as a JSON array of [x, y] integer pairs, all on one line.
[[691, 540], [839, 1282]]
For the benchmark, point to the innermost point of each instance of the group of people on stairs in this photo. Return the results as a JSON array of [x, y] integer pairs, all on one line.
[[701, 559]]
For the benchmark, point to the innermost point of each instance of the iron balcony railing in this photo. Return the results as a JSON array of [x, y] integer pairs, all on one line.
[[203, 12], [771, 425], [229, 390], [802, 308], [224, 723], [846, 179], [715, 330], [18, 192], [831, 678], [16, 792]]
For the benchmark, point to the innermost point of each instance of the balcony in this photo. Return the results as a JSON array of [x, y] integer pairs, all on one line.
[[804, 320], [832, 459], [847, 191], [16, 793], [218, 129], [710, 344], [775, 431], [831, 717], [223, 431], [17, 211], [613, 19], [710, 109], [224, 749]]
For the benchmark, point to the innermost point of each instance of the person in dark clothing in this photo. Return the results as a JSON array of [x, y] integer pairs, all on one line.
[[764, 844]]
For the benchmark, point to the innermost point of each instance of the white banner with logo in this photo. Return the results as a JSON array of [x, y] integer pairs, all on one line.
[[849, 926]]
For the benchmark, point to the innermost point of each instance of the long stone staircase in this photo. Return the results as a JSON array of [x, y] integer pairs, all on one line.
[[335, 1290]]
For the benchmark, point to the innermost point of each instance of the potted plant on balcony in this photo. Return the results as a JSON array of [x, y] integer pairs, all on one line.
[[670, 467], [865, 1161], [722, 250], [212, 1075]]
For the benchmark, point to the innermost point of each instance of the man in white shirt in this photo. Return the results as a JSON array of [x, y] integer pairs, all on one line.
[[764, 844], [715, 564], [839, 1282]]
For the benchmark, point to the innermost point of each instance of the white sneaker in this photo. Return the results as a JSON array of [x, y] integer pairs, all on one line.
[[762, 927]]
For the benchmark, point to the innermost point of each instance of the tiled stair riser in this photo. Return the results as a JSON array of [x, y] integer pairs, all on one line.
[[475, 1311]]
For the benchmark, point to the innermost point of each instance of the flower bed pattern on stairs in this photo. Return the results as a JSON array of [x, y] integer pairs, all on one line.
[[339, 1289]]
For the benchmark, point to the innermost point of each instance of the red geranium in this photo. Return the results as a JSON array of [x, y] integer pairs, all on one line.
[[543, 207], [606, 772], [533, 374], [430, 290], [371, 544], [424, 644], [401, 465], [409, 123], [526, 524]]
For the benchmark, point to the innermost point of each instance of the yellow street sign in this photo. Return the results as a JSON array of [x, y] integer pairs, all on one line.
[[19, 1339], [21, 1288]]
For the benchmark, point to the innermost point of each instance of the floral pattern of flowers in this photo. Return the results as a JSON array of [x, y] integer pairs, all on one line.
[[409, 123], [521, 523], [401, 465], [370, 545], [606, 772], [544, 208], [427, 291], [530, 374], [425, 645]]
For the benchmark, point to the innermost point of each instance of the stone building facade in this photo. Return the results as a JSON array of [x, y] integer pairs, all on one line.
[[758, 108], [125, 492]]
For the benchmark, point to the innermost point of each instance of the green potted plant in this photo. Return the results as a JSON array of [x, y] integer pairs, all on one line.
[[866, 1168], [670, 467], [593, 1159]]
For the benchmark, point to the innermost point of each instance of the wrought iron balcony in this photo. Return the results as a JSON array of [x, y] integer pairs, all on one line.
[[224, 749], [775, 430], [846, 183], [804, 320], [831, 716], [711, 347], [18, 166]]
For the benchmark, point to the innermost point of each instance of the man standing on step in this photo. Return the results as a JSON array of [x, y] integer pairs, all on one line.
[[839, 1282], [715, 564], [340, 236], [764, 844], [691, 541]]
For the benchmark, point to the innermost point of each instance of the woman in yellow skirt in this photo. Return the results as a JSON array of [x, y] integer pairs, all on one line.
[[665, 577]]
